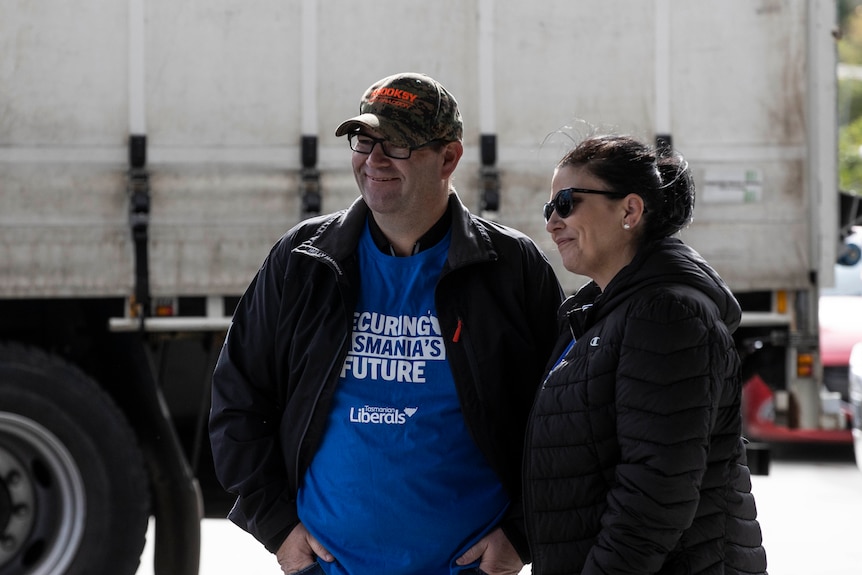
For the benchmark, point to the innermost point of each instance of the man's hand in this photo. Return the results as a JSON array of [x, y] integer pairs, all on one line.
[[300, 550], [497, 555]]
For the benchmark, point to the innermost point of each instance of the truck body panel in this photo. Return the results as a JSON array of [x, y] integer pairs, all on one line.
[[223, 116]]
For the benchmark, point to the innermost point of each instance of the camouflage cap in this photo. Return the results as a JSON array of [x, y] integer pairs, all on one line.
[[408, 110]]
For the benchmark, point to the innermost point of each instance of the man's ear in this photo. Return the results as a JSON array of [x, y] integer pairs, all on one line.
[[451, 156]]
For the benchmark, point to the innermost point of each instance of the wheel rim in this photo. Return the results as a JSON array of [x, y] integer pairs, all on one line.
[[43, 511]]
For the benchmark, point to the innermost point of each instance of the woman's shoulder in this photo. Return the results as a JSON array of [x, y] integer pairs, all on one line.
[[672, 302]]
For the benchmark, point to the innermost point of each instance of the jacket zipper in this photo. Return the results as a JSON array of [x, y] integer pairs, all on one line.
[[529, 524], [320, 388], [339, 357], [475, 373]]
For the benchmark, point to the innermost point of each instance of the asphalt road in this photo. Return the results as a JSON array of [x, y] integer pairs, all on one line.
[[810, 509]]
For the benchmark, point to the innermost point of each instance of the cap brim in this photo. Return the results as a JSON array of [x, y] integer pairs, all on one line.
[[375, 123], [360, 121]]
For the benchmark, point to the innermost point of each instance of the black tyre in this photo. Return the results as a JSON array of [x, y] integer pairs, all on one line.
[[74, 496]]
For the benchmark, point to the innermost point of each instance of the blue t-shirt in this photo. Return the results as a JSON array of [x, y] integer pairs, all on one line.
[[398, 486]]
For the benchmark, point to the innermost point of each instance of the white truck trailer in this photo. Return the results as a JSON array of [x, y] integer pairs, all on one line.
[[152, 151]]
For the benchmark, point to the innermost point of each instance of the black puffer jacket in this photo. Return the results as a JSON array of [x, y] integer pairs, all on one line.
[[635, 461]]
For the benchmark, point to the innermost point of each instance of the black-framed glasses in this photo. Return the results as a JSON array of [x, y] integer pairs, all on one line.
[[365, 144], [563, 202]]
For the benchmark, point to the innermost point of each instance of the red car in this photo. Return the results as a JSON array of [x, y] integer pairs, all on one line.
[[840, 328], [840, 314], [856, 400]]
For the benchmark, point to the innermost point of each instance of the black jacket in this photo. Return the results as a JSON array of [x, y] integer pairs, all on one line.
[[635, 460], [497, 299]]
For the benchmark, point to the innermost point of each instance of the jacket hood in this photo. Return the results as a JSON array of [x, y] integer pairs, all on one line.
[[666, 261]]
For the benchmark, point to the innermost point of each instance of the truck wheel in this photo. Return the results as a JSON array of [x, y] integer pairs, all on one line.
[[74, 496]]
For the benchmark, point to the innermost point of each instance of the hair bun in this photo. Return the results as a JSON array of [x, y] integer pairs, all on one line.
[[677, 187]]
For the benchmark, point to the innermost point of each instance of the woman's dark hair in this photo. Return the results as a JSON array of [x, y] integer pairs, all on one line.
[[661, 177]]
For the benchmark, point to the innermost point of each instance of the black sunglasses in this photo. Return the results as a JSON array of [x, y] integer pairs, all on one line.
[[564, 205]]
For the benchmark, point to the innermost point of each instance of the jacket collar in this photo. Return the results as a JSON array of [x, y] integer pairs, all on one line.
[[471, 242], [666, 261], [338, 235], [429, 239]]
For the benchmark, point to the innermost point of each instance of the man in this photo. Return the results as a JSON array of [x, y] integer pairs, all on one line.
[[370, 400]]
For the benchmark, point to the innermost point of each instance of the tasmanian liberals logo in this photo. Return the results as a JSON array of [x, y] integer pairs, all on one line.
[[381, 415]]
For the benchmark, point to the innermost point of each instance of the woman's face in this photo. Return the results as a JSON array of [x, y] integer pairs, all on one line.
[[591, 239]]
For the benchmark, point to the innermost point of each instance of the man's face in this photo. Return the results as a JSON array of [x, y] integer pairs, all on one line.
[[403, 187]]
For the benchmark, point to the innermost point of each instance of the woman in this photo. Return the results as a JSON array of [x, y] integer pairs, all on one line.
[[635, 462]]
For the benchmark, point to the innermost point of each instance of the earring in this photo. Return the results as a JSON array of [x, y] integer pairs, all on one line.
[[626, 226]]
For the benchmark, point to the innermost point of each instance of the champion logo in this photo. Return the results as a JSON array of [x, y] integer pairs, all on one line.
[[595, 341]]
